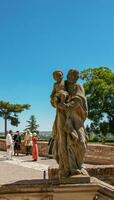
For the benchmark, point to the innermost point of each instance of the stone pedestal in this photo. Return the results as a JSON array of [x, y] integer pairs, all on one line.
[[53, 174], [76, 179], [48, 190]]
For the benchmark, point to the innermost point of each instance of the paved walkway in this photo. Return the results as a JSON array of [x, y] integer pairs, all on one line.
[[23, 168]]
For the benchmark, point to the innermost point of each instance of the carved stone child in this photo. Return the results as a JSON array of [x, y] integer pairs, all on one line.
[[58, 95]]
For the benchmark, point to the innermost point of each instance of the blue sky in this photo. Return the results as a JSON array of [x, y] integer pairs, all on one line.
[[39, 36]]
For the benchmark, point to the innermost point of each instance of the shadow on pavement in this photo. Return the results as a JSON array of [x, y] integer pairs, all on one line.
[[3, 159], [28, 161]]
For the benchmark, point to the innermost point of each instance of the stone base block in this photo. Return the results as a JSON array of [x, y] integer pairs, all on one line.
[[53, 174], [75, 179]]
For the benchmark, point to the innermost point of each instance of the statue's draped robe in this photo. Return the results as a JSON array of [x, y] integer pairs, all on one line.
[[69, 134]]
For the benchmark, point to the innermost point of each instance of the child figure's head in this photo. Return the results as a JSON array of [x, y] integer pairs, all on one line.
[[58, 75]]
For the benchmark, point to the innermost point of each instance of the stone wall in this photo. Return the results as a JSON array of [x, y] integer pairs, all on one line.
[[100, 154], [42, 146], [102, 172]]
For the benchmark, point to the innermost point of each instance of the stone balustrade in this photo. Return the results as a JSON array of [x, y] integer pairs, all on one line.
[[46, 190]]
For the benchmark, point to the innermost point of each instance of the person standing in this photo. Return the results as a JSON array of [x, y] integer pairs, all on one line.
[[9, 145], [28, 142], [17, 143], [35, 147]]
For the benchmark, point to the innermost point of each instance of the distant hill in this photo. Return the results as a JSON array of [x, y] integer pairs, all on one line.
[[45, 133], [42, 134]]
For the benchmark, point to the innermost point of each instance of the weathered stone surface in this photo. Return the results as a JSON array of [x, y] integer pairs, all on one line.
[[48, 191], [53, 174], [76, 179], [68, 132]]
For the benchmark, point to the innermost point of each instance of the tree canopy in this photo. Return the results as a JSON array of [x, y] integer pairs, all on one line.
[[99, 89], [32, 124], [9, 112]]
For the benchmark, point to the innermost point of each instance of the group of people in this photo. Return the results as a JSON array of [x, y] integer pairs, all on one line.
[[31, 144], [13, 144]]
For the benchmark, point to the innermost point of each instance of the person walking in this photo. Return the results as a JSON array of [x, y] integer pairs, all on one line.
[[9, 145]]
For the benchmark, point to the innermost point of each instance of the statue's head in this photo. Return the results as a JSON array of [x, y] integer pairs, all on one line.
[[72, 75], [58, 75]]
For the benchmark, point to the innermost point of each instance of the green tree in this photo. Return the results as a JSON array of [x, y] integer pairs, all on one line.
[[99, 88], [9, 112], [32, 124], [104, 128], [88, 130]]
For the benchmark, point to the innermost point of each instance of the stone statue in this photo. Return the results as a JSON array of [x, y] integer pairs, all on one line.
[[68, 132], [58, 88]]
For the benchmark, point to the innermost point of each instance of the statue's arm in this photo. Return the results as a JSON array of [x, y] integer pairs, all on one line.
[[74, 102]]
